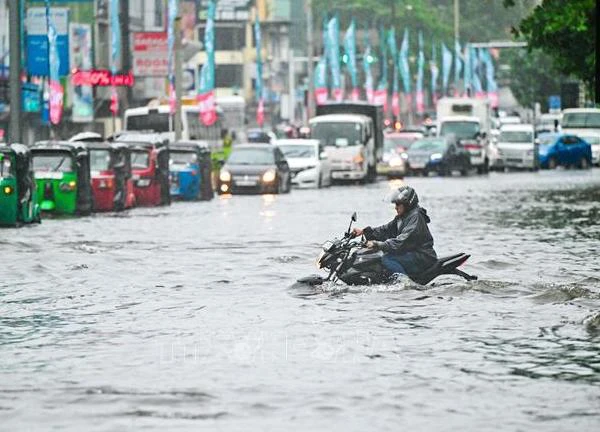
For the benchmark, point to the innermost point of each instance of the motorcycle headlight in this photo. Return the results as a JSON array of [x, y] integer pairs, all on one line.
[[436, 156], [225, 176], [68, 187], [269, 176], [319, 258]]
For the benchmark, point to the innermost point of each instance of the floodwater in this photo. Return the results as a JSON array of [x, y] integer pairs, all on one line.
[[189, 318]]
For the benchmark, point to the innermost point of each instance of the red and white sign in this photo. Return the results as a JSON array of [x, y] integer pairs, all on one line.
[[150, 54], [101, 77]]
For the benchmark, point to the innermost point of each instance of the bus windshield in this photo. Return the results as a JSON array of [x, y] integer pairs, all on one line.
[[158, 122], [339, 134]]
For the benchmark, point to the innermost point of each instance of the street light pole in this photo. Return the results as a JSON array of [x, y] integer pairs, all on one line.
[[178, 76], [15, 71], [456, 19], [310, 43]]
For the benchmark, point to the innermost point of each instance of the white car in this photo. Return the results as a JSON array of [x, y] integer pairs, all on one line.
[[594, 141], [516, 146], [308, 162]]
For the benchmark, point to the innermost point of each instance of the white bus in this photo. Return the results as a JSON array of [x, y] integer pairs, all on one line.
[[234, 114], [157, 119]]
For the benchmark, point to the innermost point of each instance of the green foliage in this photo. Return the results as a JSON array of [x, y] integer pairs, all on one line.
[[533, 76], [565, 30]]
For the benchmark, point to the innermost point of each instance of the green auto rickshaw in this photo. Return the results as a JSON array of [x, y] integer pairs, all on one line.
[[18, 197], [62, 174]]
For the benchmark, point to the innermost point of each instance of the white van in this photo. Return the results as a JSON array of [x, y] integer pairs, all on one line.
[[585, 123], [516, 146]]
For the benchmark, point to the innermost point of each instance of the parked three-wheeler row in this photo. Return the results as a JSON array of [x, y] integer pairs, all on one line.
[[88, 174]]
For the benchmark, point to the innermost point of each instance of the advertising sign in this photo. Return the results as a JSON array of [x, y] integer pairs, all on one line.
[[80, 48], [150, 54], [37, 40]]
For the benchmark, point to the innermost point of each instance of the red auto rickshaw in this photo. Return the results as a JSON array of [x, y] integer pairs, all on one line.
[[110, 170], [149, 166]]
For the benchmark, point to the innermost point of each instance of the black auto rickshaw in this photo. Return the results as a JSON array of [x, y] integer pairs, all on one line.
[[62, 173], [190, 170], [18, 193], [149, 165], [110, 170]]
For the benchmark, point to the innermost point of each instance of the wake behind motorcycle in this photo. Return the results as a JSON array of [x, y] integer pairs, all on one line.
[[349, 260]]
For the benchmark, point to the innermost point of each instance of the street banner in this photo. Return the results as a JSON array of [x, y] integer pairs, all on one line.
[[37, 39], [435, 72], [115, 51], [333, 32], [206, 95], [492, 87], [457, 67], [477, 87], [381, 96], [446, 67], [56, 89], [468, 69], [405, 70], [260, 112], [81, 96], [420, 99], [320, 81], [367, 58], [395, 79], [171, 15], [350, 51]]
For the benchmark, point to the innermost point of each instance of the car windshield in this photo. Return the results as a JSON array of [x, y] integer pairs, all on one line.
[[547, 140], [298, 151], [582, 120], [5, 165], [140, 159], [591, 140], [158, 122], [428, 145], [182, 158], [391, 144], [252, 156], [462, 130], [515, 137], [339, 134], [99, 160], [58, 162]]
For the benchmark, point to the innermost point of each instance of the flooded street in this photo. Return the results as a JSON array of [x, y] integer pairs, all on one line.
[[189, 318]]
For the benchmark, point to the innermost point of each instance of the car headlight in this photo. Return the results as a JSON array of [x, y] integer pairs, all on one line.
[[68, 187], [404, 155], [143, 182], [269, 176], [225, 176], [435, 156]]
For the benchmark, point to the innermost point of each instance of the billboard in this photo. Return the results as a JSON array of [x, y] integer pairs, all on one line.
[[150, 54], [81, 97], [37, 40]]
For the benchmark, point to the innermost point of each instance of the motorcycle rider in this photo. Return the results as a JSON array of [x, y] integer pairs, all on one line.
[[406, 240]]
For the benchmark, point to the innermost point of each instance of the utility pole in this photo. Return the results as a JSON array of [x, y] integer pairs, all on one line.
[[125, 49], [456, 19], [15, 70], [178, 76], [310, 44]]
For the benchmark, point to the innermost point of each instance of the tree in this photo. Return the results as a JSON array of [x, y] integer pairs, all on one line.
[[533, 76], [566, 31]]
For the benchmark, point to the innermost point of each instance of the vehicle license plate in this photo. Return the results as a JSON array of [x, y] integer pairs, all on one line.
[[417, 165], [245, 182]]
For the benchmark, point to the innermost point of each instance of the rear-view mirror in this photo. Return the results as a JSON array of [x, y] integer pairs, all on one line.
[[354, 217]]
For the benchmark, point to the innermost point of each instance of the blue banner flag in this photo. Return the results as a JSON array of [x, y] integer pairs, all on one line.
[[446, 67]]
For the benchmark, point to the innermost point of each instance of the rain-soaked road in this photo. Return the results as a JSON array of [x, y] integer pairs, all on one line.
[[186, 318]]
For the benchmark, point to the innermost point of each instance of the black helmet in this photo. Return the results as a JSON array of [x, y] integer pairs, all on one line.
[[406, 196]]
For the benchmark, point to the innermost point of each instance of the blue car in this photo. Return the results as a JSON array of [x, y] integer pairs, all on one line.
[[564, 150], [190, 171]]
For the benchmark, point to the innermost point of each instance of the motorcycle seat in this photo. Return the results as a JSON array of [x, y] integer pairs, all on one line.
[[452, 259]]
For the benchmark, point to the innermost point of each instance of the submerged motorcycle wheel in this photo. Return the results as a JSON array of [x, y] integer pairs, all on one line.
[[312, 280]]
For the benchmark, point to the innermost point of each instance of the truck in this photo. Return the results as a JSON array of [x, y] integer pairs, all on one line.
[[469, 120], [352, 135]]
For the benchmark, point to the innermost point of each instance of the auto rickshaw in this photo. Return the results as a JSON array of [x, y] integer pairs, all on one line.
[[18, 194], [149, 166], [62, 174], [190, 170], [110, 170]]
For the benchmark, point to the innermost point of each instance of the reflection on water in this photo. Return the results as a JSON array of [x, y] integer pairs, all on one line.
[[190, 317]]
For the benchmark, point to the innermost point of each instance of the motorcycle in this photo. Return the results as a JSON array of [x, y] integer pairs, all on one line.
[[349, 260]]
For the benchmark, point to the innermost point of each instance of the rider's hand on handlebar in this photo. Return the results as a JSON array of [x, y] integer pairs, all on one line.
[[356, 232]]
